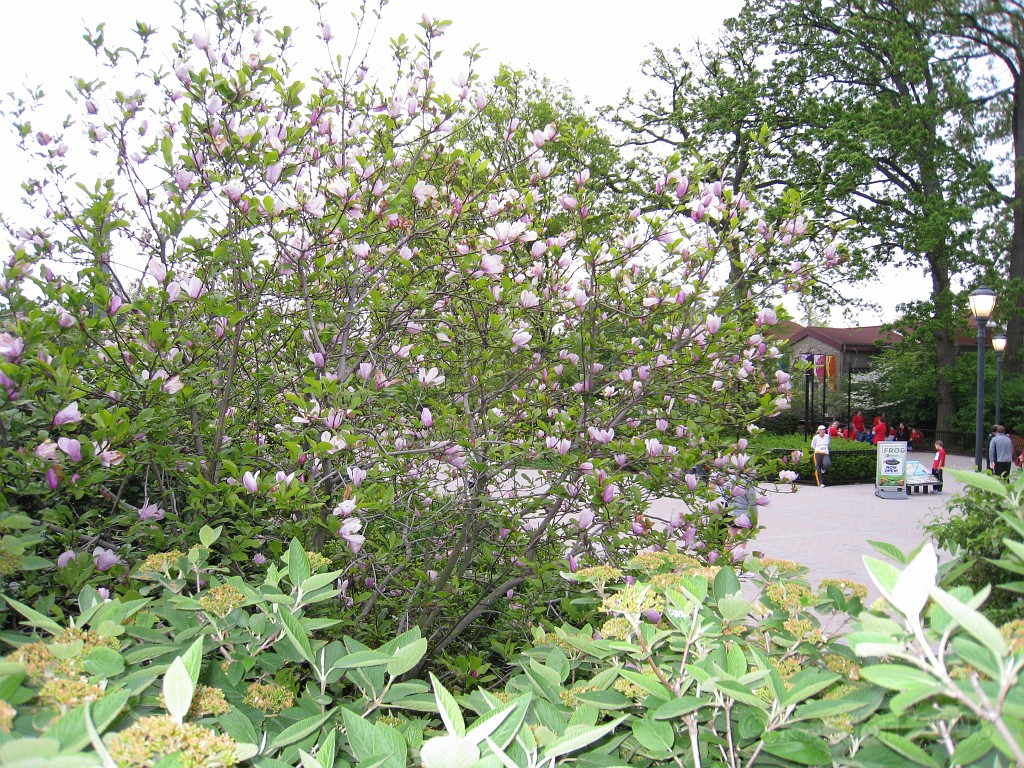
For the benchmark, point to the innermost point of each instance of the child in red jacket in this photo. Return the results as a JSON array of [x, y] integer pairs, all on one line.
[[939, 463]]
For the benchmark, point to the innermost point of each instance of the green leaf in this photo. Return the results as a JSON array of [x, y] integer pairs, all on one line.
[[898, 676], [605, 700], [449, 710], [94, 738], [35, 618], [360, 659], [577, 737], [734, 609], [406, 657], [906, 748], [655, 735], [178, 690], [298, 731], [318, 581], [726, 583], [983, 630], [293, 629], [70, 730], [883, 574], [910, 592], [889, 550], [449, 751], [684, 705], [359, 733], [103, 662], [208, 536], [298, 563], [797, 747], [981, 481]]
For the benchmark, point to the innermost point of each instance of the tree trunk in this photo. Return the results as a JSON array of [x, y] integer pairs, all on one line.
[[1015, 259], [944, 339]]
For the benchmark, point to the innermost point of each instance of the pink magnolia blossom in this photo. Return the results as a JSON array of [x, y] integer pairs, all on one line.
[[65, 558], [349, 531], [11, 347], [356, 475], [491, 264], [249, 480], [427, 418], [430, 377], [70, 446], [609, 493], [105, 559], [521, 338], [173, 385], [47, 450], [67, 415], [653, 446], [423, 192], [345, 508], [586, 519], [52, 479], [151, 511]]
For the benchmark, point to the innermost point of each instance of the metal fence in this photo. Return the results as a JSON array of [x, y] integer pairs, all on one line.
[[960, 443]]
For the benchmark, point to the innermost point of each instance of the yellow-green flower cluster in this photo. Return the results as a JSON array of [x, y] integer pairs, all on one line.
[[598, 574], [222, 600], [161, 562], [569, 696], [628, 689], [848, 588], [803, 630], [655, 561], [42, 665], [790, 595], [616, 628], [635, 598], [205, 701], [66, 693], [842, 665], [787, 667], [10, 563], [317, 561], [89, 638], [550, 638], [149, 739], [1013, 633], [269, 697], [776, 566]]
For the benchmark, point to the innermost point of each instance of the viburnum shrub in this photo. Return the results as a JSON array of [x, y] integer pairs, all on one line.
[[371, 315], [684, 664]]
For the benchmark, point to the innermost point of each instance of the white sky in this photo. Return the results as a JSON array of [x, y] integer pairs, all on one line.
[[596, 52]]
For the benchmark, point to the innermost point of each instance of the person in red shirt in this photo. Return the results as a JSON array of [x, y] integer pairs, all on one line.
[[833, 430], [880, 431], [938, 464], [858, 424]]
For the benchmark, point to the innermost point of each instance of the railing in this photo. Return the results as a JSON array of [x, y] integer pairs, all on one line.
[[961, 443]]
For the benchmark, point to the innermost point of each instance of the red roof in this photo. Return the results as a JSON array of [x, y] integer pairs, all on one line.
[[861, 339]]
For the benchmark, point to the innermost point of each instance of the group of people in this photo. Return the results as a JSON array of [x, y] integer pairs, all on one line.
[[879, 431]]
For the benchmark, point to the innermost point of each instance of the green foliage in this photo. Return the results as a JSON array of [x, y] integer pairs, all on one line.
[[983, 529], [198, 667], [852, 462]]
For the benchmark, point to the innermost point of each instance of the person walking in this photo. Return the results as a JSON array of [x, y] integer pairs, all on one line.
[[880, 430], [938, 464], [1000, 452], [819, 444]]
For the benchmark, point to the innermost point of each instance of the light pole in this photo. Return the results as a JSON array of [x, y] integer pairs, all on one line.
[[999, 344], [983, 304]]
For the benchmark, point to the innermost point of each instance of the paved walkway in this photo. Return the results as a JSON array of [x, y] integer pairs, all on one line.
[[828, 529]]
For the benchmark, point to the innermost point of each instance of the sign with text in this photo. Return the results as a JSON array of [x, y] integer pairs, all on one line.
[[891, 466]]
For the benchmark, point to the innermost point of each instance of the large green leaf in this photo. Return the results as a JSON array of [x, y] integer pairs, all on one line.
[[797, 747], [973, 622], [448, 708]]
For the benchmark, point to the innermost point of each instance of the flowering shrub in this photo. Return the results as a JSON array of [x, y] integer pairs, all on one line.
[[374, 316], [683, 664]]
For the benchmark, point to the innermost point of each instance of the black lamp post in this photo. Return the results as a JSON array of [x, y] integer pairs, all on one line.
[[999, 345], [983, 304]]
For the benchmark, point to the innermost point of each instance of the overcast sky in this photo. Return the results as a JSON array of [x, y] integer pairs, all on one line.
[[594, 48]]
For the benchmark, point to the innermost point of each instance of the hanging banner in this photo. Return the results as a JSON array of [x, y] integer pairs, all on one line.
[[891, 469]]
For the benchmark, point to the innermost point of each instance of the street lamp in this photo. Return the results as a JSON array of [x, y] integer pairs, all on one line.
[[983, 304], [999, 344]]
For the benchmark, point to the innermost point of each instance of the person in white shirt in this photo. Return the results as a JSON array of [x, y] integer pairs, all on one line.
[[819, 444]]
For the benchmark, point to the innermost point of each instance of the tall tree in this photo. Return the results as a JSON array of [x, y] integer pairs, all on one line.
[[994, 29], [880, 134]]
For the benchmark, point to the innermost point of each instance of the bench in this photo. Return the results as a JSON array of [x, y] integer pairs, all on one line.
[[929, 485]]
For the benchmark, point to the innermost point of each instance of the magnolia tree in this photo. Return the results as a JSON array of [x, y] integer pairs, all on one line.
[[323, 310]]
